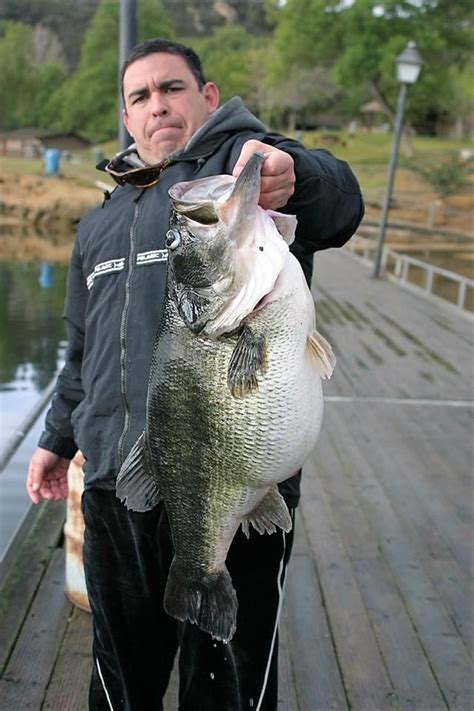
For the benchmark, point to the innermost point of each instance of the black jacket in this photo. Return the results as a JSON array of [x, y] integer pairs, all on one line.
[[116, 286]]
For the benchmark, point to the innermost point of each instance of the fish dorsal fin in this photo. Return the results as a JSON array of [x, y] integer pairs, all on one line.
[[135, 488], [271, 512], [322, 353]]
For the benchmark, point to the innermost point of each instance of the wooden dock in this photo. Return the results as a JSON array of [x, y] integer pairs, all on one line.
[[378, 611]]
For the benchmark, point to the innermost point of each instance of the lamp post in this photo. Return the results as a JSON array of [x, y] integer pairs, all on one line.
[[127, 39], [408, 69]]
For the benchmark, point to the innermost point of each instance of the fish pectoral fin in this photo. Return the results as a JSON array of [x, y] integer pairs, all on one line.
[[272, 511], [134, 487], [322, 353], [248, 357]]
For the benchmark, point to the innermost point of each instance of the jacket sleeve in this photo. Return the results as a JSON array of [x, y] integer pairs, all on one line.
[[327, 198], [58, 435]]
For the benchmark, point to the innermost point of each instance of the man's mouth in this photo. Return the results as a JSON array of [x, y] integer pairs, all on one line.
[[164, 127]]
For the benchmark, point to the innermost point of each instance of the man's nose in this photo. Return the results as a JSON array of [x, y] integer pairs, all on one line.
[[159, 105]]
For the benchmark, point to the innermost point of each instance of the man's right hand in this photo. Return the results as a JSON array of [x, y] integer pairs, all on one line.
[[47, 476]]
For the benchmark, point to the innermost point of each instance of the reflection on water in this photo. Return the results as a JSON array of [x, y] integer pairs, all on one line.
[[32, 335]]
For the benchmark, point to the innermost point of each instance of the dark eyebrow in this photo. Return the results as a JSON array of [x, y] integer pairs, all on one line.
[[162, 86]]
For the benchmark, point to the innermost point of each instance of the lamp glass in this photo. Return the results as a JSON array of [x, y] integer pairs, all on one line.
[[407, 73]]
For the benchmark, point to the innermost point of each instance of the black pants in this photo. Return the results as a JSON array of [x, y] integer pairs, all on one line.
[[126, 559]]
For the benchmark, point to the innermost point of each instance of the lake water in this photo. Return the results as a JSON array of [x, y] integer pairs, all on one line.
[[32, 343], [32, 336]]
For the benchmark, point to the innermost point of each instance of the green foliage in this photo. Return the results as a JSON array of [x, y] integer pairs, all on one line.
[[231, 58], [44, 104], [447, 176], [324, 56], [16, 80], [361, 42]]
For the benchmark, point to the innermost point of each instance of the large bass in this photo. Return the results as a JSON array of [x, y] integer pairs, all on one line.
[[235, 401]]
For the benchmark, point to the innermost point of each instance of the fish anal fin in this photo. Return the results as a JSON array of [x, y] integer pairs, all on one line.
[[271, 512], [134, 487], [248, 357], [322, 354], [210, 602]]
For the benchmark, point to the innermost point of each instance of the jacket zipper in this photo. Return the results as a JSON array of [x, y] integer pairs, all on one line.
[[123, 341]]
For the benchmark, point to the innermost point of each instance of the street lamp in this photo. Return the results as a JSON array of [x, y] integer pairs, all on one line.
[[127, 39], [408, 69]]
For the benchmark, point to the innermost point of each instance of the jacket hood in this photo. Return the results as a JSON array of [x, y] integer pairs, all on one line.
[[230, 117]]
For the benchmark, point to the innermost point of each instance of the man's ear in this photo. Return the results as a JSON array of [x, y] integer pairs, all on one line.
[[211, 95], [126, 120]]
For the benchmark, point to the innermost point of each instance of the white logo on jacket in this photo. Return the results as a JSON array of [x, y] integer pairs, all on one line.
[[117, 265]]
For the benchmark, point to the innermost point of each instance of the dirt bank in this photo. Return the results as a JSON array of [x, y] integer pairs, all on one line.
[[39, 215], [45, 203]]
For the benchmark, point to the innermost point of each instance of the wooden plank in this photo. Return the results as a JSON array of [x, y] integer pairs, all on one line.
[[417, 457], [317, 675], [287, 691], [69, 686], [444, 648], [25, 574], [29, 669], [410, 493], [409, 670], [381, 331], [365, 676]]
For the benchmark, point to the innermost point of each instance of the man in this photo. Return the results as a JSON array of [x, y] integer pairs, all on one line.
[[115, 293]]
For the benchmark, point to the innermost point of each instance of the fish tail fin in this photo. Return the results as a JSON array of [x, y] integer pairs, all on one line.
[[210, 603], [272, 511], [134, 487], [321, 351]]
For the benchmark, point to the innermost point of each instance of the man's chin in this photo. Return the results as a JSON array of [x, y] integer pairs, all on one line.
[[159, 151]]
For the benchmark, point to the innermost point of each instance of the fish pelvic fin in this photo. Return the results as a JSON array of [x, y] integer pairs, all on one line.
[[271, 512], [248, 357], [210, 603], [322, 353], [134, 487]]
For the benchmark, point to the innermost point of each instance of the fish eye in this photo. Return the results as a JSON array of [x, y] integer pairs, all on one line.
[[173, 238]]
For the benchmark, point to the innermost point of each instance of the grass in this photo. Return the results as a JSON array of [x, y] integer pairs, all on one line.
[[368, 153]]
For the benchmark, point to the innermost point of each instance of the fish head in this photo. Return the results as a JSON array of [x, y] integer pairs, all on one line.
[[211, 220]]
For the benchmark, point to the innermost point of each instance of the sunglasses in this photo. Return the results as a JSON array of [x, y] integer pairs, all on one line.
[[143, 177]]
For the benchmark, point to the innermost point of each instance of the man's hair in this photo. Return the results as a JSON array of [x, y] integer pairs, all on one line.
[[153, 46]]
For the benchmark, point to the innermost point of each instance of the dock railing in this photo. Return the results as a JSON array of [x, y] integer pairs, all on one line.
[[398, 265]]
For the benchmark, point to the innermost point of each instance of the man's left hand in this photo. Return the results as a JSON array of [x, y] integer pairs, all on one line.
[[278, 173]]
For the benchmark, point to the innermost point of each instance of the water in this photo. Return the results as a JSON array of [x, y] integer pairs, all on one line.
[[32, 336], [32, 343]]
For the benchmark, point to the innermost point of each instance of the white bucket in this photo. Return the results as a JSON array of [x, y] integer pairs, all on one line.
[[75, 587]]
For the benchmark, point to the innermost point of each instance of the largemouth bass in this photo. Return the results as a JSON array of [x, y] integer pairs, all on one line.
[[235, 400]]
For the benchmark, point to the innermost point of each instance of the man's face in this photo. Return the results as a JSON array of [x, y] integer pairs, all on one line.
[[164, 105]]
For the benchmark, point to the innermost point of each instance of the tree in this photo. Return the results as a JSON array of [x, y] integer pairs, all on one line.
[[44, 107], [361, 41], [229, 57], [16, 80]]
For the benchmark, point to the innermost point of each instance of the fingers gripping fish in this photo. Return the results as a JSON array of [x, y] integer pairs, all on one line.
[[235, 401]]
